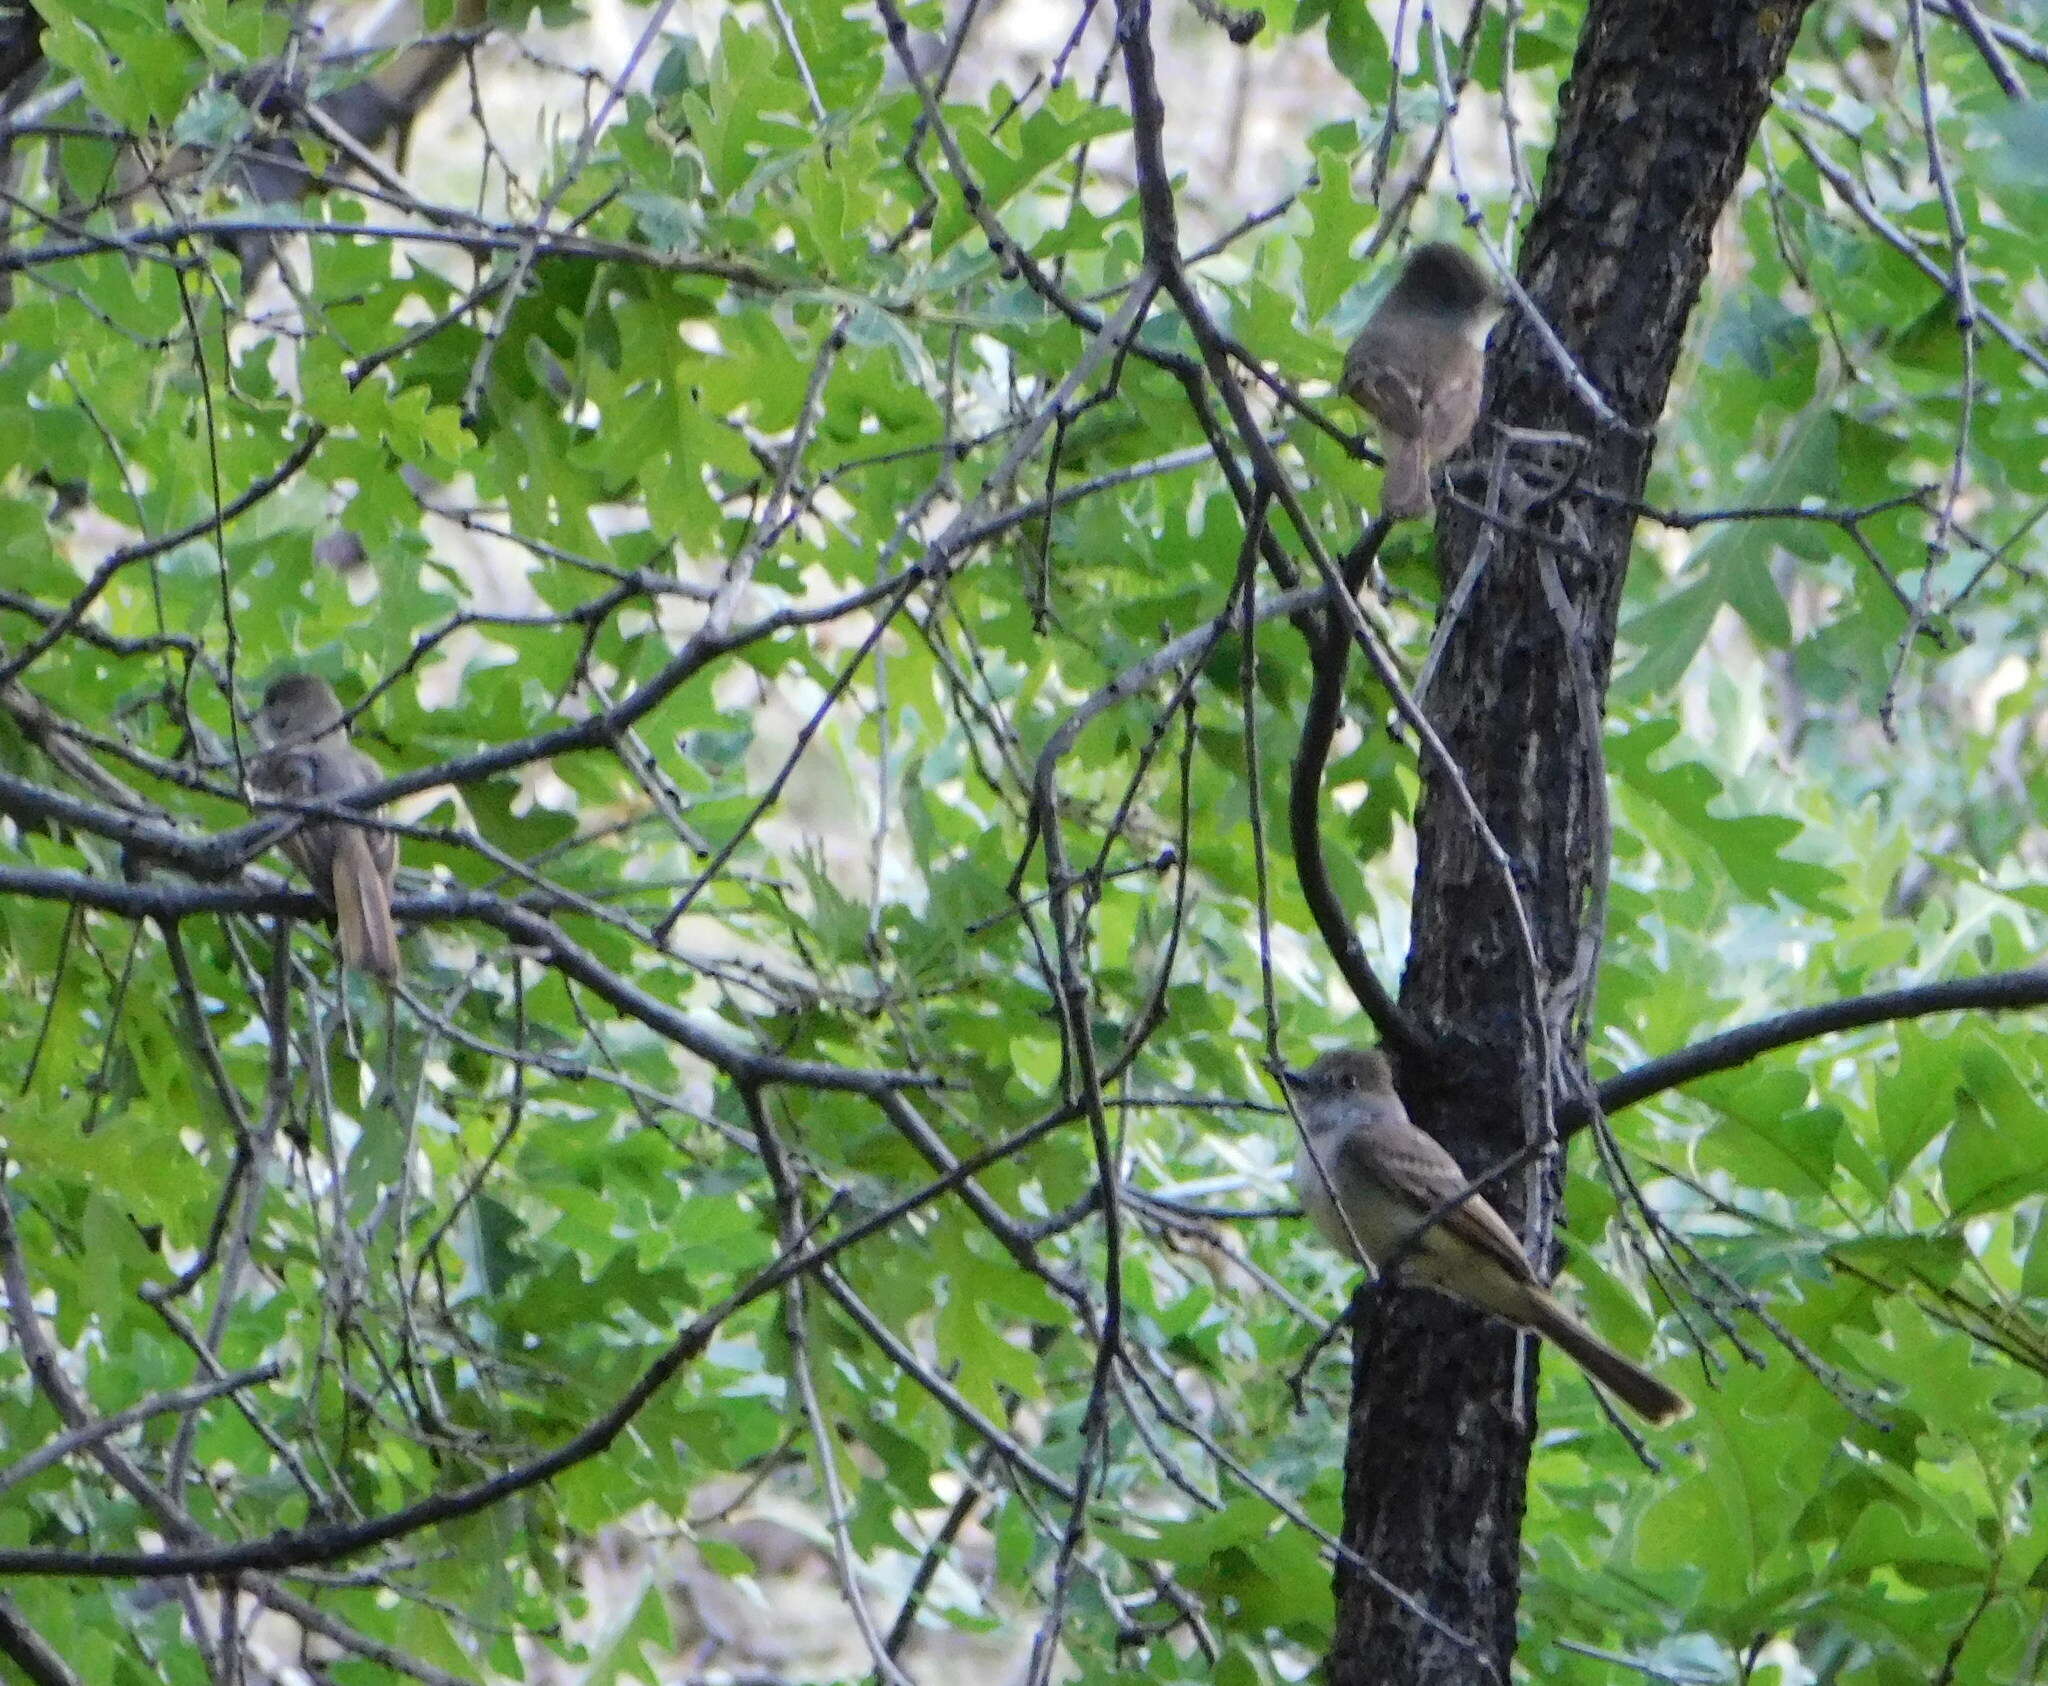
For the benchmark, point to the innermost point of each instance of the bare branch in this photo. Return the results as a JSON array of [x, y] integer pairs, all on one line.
[[1997, 992]]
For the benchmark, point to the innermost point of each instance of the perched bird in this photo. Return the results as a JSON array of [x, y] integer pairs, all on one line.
[[310, 759], [1368, 1178], [1417, 368]]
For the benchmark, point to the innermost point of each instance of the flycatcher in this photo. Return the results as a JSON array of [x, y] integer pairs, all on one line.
[[352, 868], [1417, 368], [1360, 1153]]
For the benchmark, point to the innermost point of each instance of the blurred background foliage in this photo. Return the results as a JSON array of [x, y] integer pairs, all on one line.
[[629, 322]]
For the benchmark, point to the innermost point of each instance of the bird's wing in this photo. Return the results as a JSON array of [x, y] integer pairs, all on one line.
[[1418, 1168], [295, 775], [286, 772], [1374, 376], [383, 844]]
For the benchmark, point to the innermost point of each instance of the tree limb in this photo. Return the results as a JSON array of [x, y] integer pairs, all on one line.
[[1995, 992], [1330, 647], [29, 1651]]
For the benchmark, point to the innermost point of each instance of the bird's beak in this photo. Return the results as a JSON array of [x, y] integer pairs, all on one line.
[[1291, 1076]]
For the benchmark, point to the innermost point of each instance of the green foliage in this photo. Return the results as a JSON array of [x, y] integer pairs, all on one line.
[[764, 443]]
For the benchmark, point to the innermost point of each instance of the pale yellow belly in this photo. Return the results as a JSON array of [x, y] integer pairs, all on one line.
[[1379, 1221]]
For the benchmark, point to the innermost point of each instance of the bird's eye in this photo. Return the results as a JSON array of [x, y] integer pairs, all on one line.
[[1349, 1081]]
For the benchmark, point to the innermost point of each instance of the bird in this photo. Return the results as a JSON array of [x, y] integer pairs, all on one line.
[[352, 867], [1368, 1177], [1417, 368]]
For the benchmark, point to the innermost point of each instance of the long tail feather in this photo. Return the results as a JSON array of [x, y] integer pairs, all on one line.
[[1634, 1386], [1405, 494], [362, 905]]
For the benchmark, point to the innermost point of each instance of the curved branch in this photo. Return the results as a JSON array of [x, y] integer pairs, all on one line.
[[525, 926], [161, 544], [1330, 649], [1995, 992], [1162, 252], [223, 853], [1190, 647], [332, 1542], [86, 1434], [29, 1651]]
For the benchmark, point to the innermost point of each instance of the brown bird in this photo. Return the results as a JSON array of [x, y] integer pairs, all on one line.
[[352, 868], [1417, 368], [1368, 1177]]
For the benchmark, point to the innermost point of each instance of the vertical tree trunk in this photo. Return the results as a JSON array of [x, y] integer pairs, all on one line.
[[1656, 121]]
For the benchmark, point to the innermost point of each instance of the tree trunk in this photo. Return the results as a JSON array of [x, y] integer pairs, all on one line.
[[1656, 121]]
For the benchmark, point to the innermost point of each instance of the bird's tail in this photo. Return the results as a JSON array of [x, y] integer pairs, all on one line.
[[1634, 1386], [362, 907], [1404, 494]]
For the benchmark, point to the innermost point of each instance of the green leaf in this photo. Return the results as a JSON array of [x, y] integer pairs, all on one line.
[[1750, 849], [1336, 217], [1357, 48]]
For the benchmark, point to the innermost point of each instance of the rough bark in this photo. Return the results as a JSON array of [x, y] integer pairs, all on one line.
[[1656, 121]]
